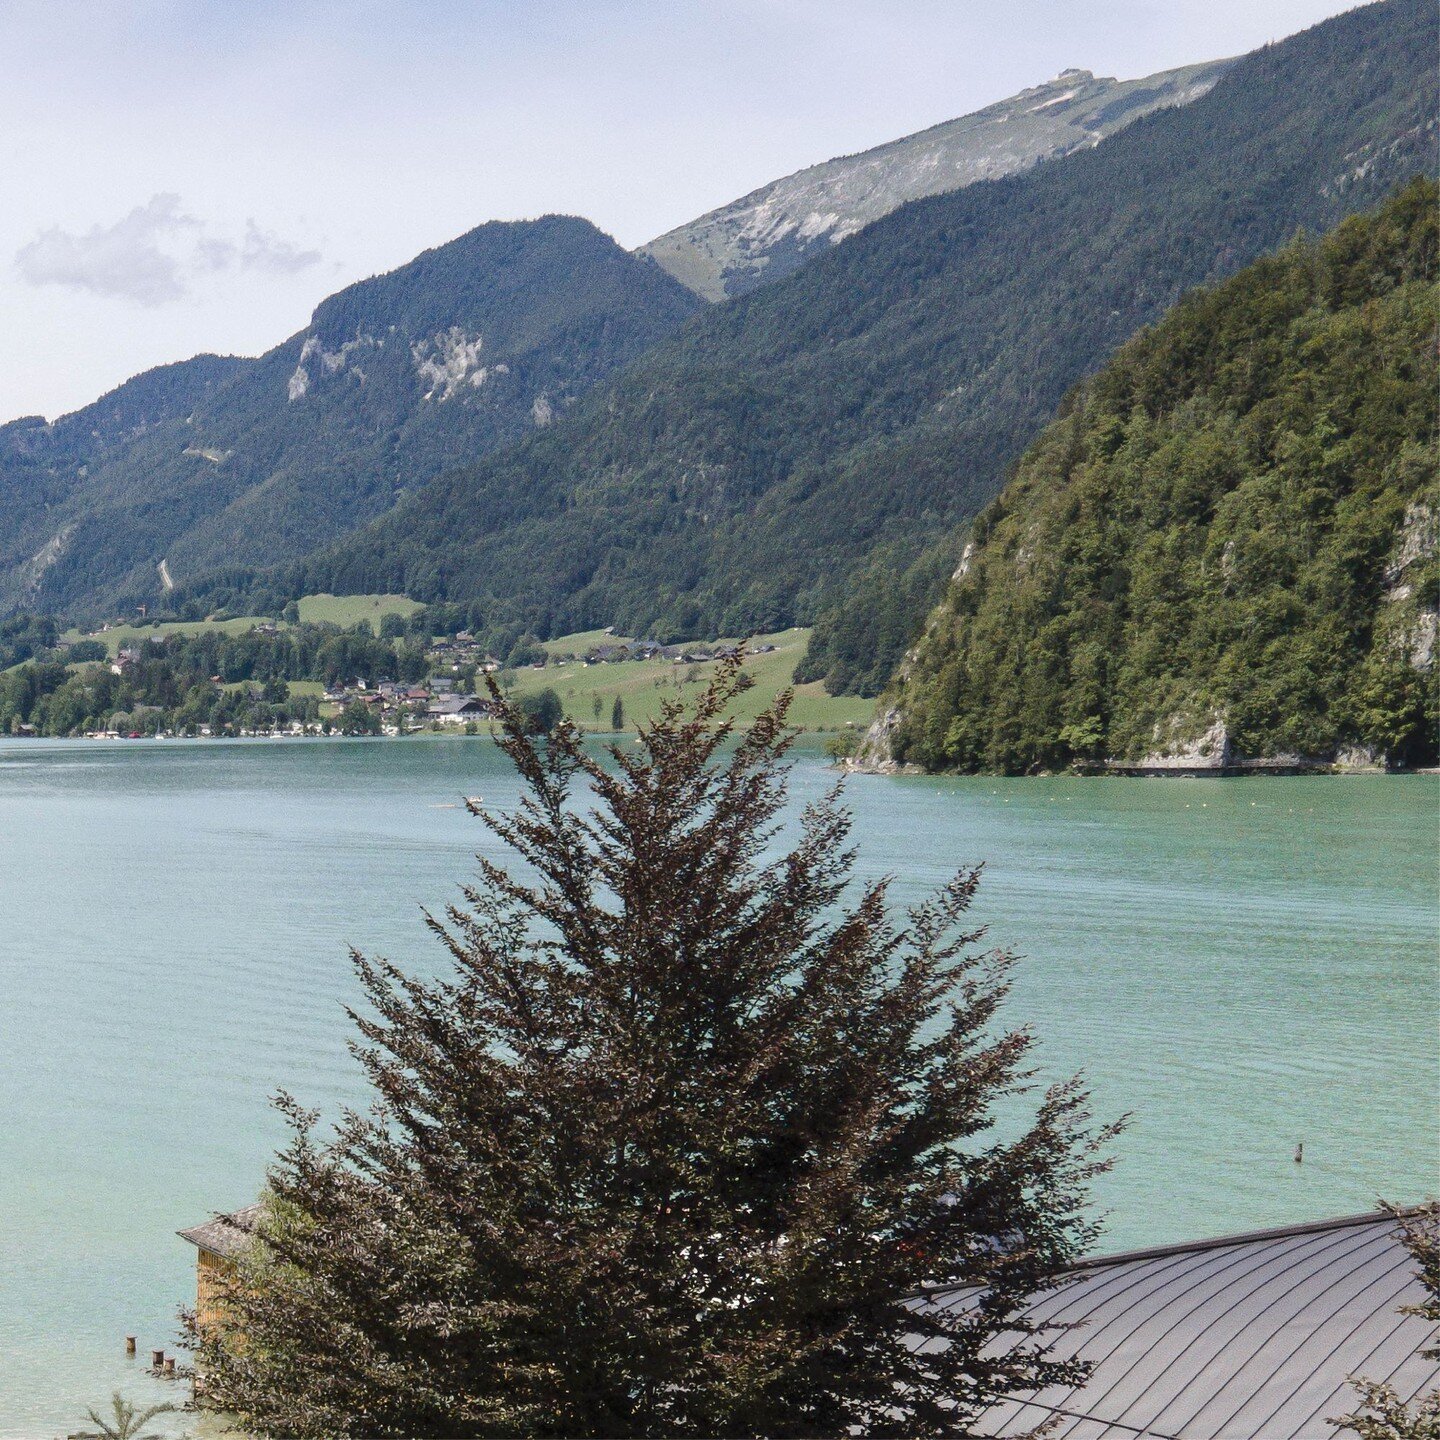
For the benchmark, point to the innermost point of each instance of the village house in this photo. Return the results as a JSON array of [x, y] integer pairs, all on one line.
[[458, 709]]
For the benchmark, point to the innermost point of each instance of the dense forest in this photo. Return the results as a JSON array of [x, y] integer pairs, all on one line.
[[1233, 524], [742, 476], [23, 636], [470, 346]]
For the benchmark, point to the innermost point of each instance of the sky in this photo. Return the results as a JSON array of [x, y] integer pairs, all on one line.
[[190, 175]]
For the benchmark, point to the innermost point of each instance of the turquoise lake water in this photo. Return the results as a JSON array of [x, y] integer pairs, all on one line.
[[1241, 964]]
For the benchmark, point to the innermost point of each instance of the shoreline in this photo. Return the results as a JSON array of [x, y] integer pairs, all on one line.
[[1259, 771], [452, 732], [1243, 771]]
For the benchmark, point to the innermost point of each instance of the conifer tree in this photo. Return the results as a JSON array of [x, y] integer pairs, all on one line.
[[693, 1138]]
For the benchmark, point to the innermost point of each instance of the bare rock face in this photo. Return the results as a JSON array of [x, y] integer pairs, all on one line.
[[1359, 758], [1412, 627], [873, 757], [1210, 750], [773, 230]]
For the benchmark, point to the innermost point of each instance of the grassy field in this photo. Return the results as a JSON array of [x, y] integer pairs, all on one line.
[[348, 610], [580, 642], [342, 610], [119, 635], [643, 685], [298, 688]]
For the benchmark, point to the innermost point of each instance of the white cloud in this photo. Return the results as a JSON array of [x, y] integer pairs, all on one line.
[[265, 250], [212, 254], [152, 255], [125, 258]]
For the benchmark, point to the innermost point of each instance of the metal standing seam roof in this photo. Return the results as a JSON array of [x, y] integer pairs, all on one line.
[[1248, 1337], [225, 1235]]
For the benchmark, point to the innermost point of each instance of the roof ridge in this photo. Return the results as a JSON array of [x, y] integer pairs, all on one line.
[[1246, 1237], [1190, 1247]]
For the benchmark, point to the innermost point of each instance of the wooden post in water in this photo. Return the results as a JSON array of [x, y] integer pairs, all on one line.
[[170, 1368], [129, 1344], [1300, 1153], [157, 1359]]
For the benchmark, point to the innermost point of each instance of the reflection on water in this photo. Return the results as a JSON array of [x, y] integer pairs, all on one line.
[[1241, 964]]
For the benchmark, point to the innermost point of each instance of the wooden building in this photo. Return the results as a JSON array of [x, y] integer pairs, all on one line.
[[217, 1243]]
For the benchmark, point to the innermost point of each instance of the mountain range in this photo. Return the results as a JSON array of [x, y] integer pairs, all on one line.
[[740, 475], [467, 348], [399, 377]]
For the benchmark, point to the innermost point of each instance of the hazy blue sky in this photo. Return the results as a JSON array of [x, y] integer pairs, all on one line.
[[185, 175]]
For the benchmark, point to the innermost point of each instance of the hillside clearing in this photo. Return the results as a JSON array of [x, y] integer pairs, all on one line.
[[348, 610], [644, 685]]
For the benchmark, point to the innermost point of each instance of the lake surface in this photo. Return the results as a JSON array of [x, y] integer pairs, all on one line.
[[1242, 964]]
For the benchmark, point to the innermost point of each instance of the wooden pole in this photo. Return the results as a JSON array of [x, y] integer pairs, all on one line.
[[1300, 1153], [129, 1344], [157, 1359], [170, 1368]]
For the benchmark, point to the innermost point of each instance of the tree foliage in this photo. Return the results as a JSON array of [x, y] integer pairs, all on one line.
[[543, 710], [125, 1421], [24, 636], [181, 682], [669, 1147], [1235, 519]]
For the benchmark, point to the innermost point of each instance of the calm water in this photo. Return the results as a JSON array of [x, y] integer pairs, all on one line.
[[1242, 964]]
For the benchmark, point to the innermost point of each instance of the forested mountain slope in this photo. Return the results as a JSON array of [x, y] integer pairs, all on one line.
[[737, 477], [775, 229], [468, 347], [42, 465], [1226, 546]]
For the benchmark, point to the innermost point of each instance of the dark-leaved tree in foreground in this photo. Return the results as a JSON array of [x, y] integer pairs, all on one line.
[[674, 1146]]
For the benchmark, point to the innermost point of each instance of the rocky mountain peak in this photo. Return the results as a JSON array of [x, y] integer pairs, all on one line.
[[771, 231]]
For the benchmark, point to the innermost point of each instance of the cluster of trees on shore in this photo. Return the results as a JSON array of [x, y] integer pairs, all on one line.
[[181, 683], [154, 694]]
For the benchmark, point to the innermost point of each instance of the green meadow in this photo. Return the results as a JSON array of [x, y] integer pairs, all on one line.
[[348, 610], [342, 610], [644, 685]]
